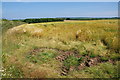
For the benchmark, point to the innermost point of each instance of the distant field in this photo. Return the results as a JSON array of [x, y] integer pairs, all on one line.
[[69, 49], [86, 20]]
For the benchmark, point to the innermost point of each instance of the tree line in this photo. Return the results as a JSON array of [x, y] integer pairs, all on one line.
[[91, 18], [40, 20], [43, 20]]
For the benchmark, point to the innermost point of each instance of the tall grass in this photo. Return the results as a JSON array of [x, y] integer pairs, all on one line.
[[94, 38]]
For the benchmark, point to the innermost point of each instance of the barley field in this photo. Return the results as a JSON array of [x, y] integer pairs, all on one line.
[[69, 49]]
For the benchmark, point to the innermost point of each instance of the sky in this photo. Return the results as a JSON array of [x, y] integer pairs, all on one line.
[[22, 10], [60, 0]]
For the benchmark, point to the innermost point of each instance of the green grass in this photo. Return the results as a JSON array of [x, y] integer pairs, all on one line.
[[11, 72], [72, 61], [10, 24], [103, 70], [41, 57]]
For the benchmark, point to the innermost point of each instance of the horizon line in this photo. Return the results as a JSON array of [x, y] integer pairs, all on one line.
[[63, 17]]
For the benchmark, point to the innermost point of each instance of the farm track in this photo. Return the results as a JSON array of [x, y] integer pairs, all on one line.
[[86, 62]]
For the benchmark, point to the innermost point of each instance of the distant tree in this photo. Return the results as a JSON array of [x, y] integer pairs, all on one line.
[[5, 20], [67, 18], [43, 20]]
